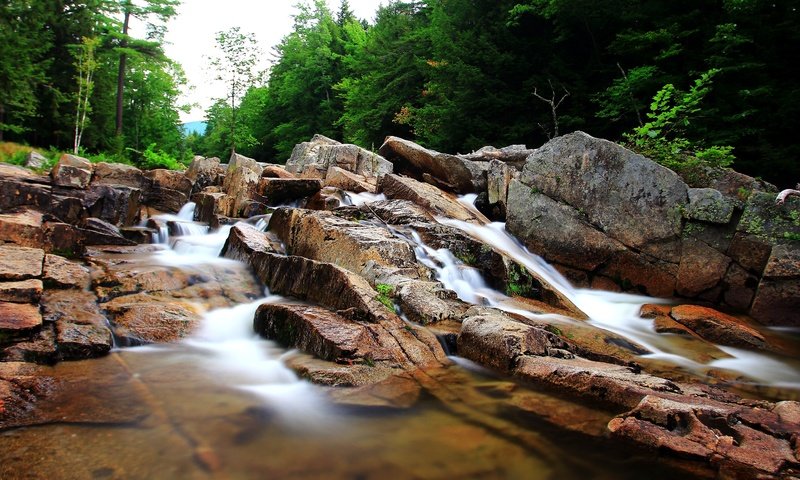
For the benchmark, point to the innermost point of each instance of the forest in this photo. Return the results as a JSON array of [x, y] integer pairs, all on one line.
[[683, 82]]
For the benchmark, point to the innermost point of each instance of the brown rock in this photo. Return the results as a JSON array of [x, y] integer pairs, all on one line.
[[313, 159], [740, 287], [39, 348], [514, 155], [139, 320], [459, 174], [119, 205], [25, 291], [72, 171], [240, 184], [329, 198], [78, 341], [433, 200], [203, 172], [319, 332], [328, 238], [700, 269], [342, 179], [397, 212], [17, 319], [118, 174], [750, 252], [637, 272], [777, 302], [718, 327], [169, 179], [23, 228], [21, 187], [20, 263], [62, 273], [81, 330], [281, 190], [276, 171]]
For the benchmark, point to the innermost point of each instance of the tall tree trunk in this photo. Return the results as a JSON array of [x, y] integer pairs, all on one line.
[[121, 73], [2, 119]]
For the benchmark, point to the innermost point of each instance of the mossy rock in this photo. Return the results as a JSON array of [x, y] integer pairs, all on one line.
[[776, 224]]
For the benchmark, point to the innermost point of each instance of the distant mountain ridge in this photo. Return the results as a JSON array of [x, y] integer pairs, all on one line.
[[198, 127]]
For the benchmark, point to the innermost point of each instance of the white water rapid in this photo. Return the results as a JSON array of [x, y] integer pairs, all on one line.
[[614, 312], [225, 343]]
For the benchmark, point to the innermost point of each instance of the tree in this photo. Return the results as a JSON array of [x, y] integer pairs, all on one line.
[[163, 10], [236, 66], [85, 64]]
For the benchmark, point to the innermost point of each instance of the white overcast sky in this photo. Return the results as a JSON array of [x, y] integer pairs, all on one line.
[[190, 36]]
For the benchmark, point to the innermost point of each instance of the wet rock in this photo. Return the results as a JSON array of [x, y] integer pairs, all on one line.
[[78, 341], [244, 240], [498, 342], [276, 171], [35, 160], [72, 171], [81, 330], [313, 159], [18, 319], [329, 198], [24, 291], [641, 273], [20, 263], [62, 273], [700, 269], [319, 332], [166, 190], [281, 190], [39, 348], [628, 197], [328, 238], [395, 391], [118, 174], [718, 327], [708, 205], [208, 205], [203, 172], [662, 322], [342, 179], [100, 232], [23, 228], [143, 319], [119, 205], [138, 234], [429, 302], [447, 171], [557, 231], [428, 197], [397, 212], [63, 239]]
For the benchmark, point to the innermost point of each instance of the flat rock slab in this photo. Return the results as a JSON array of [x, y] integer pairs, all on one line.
[[432, 199], [23, 228], [18, 318], [20, 263], [718, 327], [62, 273], [25, 291]]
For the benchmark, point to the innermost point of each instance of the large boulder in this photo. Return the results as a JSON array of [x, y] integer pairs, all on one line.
[[453, 173], [432, 199], [72, 171], [276, 191], [118, 174], [512, 155], [204, 172], [626, 196], [313, 159], [241, 184], [118, 204]]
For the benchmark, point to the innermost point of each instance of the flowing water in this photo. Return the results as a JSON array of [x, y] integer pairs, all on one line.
[[224, 404]]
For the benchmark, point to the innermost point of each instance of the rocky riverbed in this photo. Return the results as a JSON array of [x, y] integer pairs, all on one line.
[[391, 277]]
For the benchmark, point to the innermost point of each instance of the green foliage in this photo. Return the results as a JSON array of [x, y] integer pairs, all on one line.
[[384, 295], [153, 157], [664, 137]]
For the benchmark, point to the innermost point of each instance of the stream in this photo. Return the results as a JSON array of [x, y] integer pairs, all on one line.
[[224, 404]]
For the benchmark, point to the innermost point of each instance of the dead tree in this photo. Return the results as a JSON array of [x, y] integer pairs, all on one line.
[[786, 193], [553, 107]]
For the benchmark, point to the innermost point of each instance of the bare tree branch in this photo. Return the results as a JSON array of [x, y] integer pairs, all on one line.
[[553, 106]]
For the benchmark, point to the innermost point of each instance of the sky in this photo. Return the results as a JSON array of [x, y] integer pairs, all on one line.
[[190, 37]]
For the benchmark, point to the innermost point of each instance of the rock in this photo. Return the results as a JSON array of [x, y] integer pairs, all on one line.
[[165, 199], [35, 160], [162, 178], [119, 205], [67, 208], [628, 197], [81, 330], [556, 231], [739, 287], [342, 179], [100, 232], [513, 155], [457, 174], [240, 184], [750, 252], [397, 212], [708, 205], [21, 187], [138, 234], [433, 200], [18, 319], [40, 348], [118, 174], [20, 263], [313, 159], [777, 299], [429, 302], [319, 332], [701, 268], [61, 273], [72, 171], [25, 291], [733, 185], [203, 172], [499, 176], [717, 327], [770, 222], [281, 190], [276, 171], [244, 240], [64, 239], [208, 205], [141, 319], [23, 228], [328, 238], [329, 198], [496, 341]]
